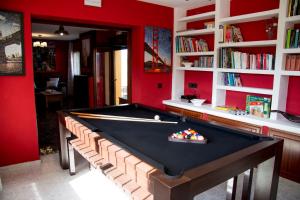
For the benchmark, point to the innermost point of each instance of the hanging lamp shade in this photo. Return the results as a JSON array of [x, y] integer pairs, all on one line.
[[61, 31]]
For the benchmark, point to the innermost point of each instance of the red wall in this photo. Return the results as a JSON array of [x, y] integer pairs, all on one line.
[[61, 58], [18, 119]]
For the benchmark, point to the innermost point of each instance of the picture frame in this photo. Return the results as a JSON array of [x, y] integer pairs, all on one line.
[[11, 43], [157, 49]]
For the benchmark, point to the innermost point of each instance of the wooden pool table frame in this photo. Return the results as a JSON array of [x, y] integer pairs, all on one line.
[[261, 161]]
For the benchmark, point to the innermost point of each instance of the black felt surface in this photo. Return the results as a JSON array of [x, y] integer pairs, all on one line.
[[149, 141]]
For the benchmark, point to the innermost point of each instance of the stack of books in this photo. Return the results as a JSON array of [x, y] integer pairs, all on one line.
[[204, 61], [232, 79], [294, 8], [258, 106], [188, 44], [292, 38], [239, 60], [292, 62], [229, 33]]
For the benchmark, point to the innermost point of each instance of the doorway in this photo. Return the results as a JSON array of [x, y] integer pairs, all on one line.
[[98, 59], [112, 75]]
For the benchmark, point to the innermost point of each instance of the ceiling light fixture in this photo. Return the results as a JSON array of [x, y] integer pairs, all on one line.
[[40, 44], [61, 31]]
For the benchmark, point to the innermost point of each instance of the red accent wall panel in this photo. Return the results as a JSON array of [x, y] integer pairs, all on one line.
[[204, 82], [238, 99], [18, 119], [293, 100]]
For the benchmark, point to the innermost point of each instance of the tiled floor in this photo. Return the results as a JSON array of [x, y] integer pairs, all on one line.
[[47, 181]]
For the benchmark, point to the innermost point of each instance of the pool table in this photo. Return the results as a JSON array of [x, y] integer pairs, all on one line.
[[185, 169]]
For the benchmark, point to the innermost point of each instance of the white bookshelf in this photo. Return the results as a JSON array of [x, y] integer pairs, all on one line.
[[202, 53], [204, 69], [193, 18], [293, 19], [262, 43], [246, 71], [221, 16], [258, 16], [291, 50], [246, 89], [290, 73], [196, 32]]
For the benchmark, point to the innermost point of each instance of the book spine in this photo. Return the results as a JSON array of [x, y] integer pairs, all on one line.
[[288, 38]]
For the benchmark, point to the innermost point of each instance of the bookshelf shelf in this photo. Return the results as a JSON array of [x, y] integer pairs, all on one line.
[[246, 89], [204, 53], [262, 43], [246, 71], [196, 32], [290, 73], [291, 50], [258, 16], [205, 69], [193, 18], [293, 19]]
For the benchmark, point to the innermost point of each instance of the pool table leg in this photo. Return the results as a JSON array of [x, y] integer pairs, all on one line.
[[63, 154], [267, 178], [247, 184], [231, 188], [239, 187], [72, 169]]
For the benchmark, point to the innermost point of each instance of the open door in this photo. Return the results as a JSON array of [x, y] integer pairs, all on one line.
[[121, 76]]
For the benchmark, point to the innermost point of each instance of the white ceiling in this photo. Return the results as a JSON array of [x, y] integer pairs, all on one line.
[[181, 3], [47, 32]]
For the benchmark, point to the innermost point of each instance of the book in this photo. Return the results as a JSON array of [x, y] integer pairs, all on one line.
[[221, 34], [297, 63], [189, 44], [288, 63], [288, 38], [258, 106]]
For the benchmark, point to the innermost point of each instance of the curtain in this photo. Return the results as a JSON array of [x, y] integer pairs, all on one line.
[[73, 67]]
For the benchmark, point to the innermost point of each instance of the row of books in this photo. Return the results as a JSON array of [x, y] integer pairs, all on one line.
[[232, 79], [229, 33], [292, 62], [188, 44], [292, 38], [239, 60], [204, 61], [258, 106], [294, 8]]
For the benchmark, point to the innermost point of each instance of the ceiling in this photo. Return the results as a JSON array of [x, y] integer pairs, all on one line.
[[46, 31], [181, 3]]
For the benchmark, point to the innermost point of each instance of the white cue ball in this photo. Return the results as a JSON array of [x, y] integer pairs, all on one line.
[[156, 117]]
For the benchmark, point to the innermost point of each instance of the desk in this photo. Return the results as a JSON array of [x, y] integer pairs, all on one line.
[[185, 170], [53, 96]]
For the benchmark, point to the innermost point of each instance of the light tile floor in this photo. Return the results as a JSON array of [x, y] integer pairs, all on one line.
[[47, 181]]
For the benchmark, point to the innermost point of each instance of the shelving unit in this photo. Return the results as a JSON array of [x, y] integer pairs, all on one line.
[[245, 89], [221, 16], [193, 18], [203, 53], [204, 69], [263, 43], [196, 32], [258, 16], [246, 71]]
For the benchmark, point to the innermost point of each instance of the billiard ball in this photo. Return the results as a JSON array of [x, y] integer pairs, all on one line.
[[156, 117]]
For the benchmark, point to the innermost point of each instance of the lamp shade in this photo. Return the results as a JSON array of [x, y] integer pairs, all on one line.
[[61, 31]]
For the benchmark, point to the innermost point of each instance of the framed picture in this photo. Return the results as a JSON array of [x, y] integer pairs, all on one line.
[[11, 43], [157, 49]]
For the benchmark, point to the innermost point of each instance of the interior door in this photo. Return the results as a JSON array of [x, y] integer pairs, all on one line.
[[102, 67]]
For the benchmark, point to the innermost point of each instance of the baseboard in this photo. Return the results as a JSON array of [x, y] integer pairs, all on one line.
[[1, 188], [21, 165]]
